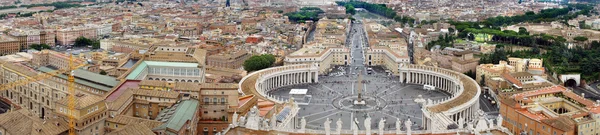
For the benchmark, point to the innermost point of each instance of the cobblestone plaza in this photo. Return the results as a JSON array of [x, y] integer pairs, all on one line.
[[332, 97]]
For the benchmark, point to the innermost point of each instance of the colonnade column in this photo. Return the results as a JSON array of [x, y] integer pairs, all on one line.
[[316, 77]]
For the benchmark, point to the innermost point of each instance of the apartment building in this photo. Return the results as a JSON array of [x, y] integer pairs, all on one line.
[[53, 59], [8, 45], [67, 36]]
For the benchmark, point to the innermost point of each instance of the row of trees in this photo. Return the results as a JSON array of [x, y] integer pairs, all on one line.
[[7, 7], [258, 62], [443, 41], [546, 15], [57, 5], [304, 14], [380, 9], [39, 47]]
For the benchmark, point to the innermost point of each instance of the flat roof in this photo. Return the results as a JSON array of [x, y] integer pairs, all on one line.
[[298, 91], [87, 78], [140, 68]]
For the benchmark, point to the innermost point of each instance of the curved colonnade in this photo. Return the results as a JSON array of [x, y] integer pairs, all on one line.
[[461, 107], [437, 116], [259, 82]]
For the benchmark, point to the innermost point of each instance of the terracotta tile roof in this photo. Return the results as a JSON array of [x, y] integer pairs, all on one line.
[[154, 83], [82, 100], [512, 79], [120, 101], [561, 123], [521, 74], [537, 117], [243, 100], [155, 93], [23, 122], [470, 91], [133, 129], [127, 120]]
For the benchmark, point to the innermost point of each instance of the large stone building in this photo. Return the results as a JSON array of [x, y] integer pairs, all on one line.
[[332, 32], [233, 60], [132, 44], [53, 59], [166, 71], [486, 71], [386, 48], [40, 97], [179, 119], [67, 36], [8, 45], [548, 111], [324, 57], [89, 114]]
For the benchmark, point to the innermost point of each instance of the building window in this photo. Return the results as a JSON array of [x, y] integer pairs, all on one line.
[[205, 129]]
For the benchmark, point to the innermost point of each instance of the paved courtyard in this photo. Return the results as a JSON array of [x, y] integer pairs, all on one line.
[[385, 98]]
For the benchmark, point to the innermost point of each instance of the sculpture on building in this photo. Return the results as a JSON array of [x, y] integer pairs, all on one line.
[[273, 121], [381, 126], [461, 122], [355, 126], [398, 126], [499, 121], [408, 124], [491, 123], [470, 126], [234, 119], [253, 120], [327, 125], [368, 125], [302, 124], [429, 102], [265, 124], [339, 126], [242, 122]]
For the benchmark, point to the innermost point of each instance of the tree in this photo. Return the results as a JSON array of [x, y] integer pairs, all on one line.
[[350, 9], [39, 47], [82, 41], [595, 44], [451, 30], [482, 80], [259, 62], [102, 72], [580, 38], [523, 31], [471, 74]]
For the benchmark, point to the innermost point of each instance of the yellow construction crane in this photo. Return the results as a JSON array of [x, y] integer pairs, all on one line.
[[71, 86]]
